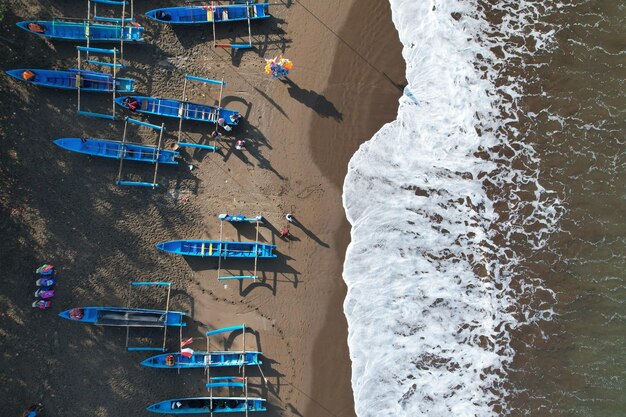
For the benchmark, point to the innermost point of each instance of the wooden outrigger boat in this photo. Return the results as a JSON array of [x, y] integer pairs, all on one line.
[[80, 31], [194, 15], [179, 109], [126, 317], [211, 404], [91, 81], [240, 218], [213, 14], [131, 317], [125, 151], [208, 358], [218, 248], [204, 405], [215, 359], [117, 149], [110, 29]]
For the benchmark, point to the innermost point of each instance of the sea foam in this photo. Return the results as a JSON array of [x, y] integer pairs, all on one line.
[[431, 301]]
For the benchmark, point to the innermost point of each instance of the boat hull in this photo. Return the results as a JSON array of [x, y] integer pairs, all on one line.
[[113, 149], [216, 359], [197, 15], [127, 317], [90, 81], [216, 248], [77, 31], [203, 405], [179, 109]]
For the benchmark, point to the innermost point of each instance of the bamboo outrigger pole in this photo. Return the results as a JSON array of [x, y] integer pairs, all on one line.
[[122, 152], [181, 109], [158, 151], [130, 294], [256, 250], [167, 309], [212, 7], [219, 259]]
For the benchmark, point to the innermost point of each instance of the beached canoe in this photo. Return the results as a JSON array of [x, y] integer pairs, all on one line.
[[215, 359], [80, 31], [200, 405], [113, 149], [193, 15], [89, 80], [216, 248], [121, 316], [179, 109]]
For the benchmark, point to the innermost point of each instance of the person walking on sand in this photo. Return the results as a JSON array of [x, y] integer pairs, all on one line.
[[284, 233], [289, 217]]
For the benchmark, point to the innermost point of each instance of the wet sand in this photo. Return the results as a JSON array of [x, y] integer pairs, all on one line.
[[64, 208]]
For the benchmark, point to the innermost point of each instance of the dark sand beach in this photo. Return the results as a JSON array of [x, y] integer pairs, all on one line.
[[64, 208]]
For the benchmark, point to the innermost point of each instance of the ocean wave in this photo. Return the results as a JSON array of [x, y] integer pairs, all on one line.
[[444, 202]]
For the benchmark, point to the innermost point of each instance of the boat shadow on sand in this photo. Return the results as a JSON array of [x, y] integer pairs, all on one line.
[[271, 384], [270, 273]]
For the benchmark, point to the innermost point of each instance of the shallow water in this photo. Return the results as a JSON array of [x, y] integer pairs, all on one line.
[[485, 269]]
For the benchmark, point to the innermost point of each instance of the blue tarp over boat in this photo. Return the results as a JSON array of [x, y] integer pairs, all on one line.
[[216, 248], [213, 359], [80, 31], [121, 316], [203, 405], [178, 109], [89, 80], [193, 15], [113, 149]]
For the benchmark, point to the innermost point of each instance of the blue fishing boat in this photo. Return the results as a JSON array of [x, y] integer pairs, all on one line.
[[117, 149], [178, 109], [215, 359], [218, 248], [213, 404], [69, 80], [208, 358], [205, 405], [240, 218], [121, 316], [80, 31], [193, 15]]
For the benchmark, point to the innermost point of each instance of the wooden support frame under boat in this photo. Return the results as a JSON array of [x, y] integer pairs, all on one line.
[[212, 405], [121, 20], [232, 45], [168, 285], [184, 105], [257, 220], [152, 184], [92, 29], [114, 65], [207, 358], [131, 317]]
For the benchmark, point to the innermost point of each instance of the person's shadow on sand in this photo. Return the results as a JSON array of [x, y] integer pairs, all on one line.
[[308, 232], [311, 99]]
